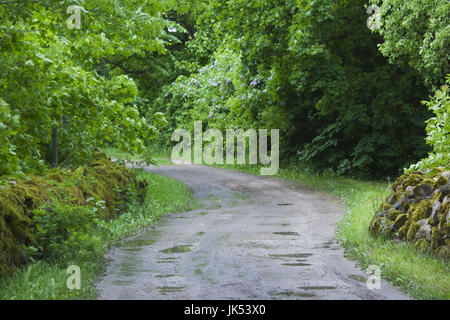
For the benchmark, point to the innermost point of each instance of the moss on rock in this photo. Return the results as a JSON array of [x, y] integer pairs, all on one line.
[[418, 210], [102, 180]]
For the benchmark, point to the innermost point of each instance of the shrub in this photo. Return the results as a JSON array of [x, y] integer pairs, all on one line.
[[61, 229], [438, 131]]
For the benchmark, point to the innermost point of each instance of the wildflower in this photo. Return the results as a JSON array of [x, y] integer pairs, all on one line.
[[255, 82]]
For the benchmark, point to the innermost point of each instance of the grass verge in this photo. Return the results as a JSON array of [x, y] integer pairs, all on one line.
[[155, 155], [46, 280]]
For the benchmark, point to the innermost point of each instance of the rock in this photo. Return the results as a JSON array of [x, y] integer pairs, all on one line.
[[424, 230], [393, 198], [445, 190], [446, 175], [421, 210], [402, 204], [381, 214], [393, 214], [413, 228], [379, 226], [418, 211], [399, 205], [423, 190], [437, 238], [400, 221], [434, 212], [440, 182], [417, 200]]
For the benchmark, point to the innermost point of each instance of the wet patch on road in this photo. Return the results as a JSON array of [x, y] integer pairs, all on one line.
[[177, 249]]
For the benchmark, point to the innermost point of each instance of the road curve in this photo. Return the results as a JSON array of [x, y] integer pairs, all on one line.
[[246, 237]]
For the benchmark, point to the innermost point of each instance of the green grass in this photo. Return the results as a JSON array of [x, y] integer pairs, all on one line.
[[45, 280], [154, 154], [419, 274]]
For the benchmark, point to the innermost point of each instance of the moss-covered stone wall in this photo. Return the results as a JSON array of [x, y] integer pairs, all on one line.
[[417, 211], [101, 180]]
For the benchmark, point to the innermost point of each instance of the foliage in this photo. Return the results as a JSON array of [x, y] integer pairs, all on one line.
[[41, 216], [313, 70], [438, 131], [46, 279], [417, 33], [75, 80], [60, 228]]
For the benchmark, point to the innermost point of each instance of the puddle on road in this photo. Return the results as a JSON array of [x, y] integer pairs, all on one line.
[[209, 202], [239, 195], [291, 255], [284, 204], [199, 233], [282, 233], [122, 282], [203, 213], [137, 243], [167, 290], [132, 249], [198, 272], [357, 278], [165, 276], [127, 269], [167, 260], [292, 294], [146, 239], [298, 264], [177, 249], [317, 288]]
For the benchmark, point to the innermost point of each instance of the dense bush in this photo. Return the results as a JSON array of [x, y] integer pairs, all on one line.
[[417, 33], [62, 229], [438, 131]]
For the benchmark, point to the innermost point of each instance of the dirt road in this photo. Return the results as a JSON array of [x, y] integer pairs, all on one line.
[[246, 237]]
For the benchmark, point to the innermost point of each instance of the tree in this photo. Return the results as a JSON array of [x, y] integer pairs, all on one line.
[[417, 33], [49, 72]]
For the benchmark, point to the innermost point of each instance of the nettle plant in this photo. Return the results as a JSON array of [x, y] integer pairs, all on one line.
[[438, 131]]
